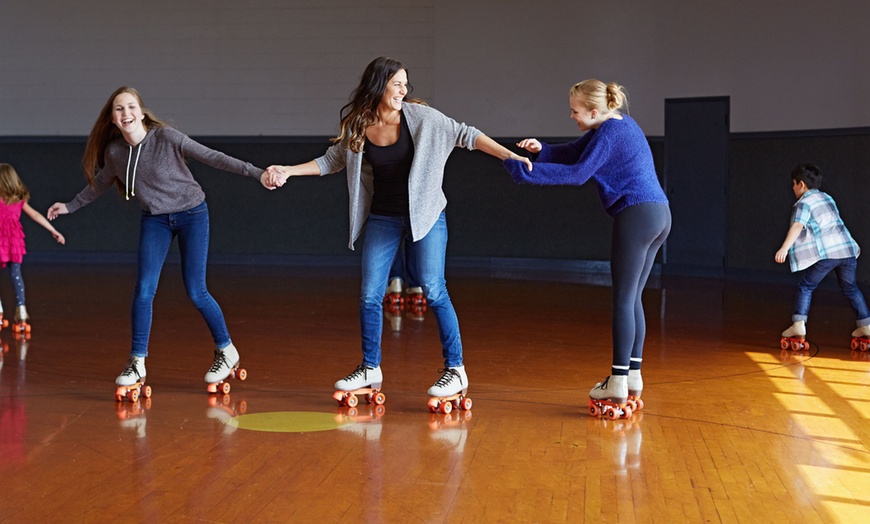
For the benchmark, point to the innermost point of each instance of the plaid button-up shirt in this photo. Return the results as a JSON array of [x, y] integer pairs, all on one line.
[[824, 235]]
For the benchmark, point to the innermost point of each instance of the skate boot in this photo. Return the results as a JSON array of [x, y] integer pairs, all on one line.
[[363, 380], [131, 381], [795, 337], [3, 321], [393, 297], [224, 367], [416, 297], [635, 386], [610, 398], [861, 338], [21, 326], [449, 391]]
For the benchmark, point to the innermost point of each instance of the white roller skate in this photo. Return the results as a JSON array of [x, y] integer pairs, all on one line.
[[609, 398], [861, 338], [224, 368], [795, 337], [3, 321], [635, 387], [131, 381], [21, 326], [449, 391], [363, 380], [416, 297]]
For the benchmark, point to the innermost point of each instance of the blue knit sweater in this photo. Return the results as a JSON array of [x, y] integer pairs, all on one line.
[[616, 156]]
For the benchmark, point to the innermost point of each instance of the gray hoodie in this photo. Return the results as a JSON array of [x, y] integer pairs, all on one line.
[[155, 171], [434, 135]]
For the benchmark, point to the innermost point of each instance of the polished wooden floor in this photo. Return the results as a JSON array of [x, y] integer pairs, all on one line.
[[734, 429]]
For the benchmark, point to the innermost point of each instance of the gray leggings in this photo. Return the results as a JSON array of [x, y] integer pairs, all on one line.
[[638, 233], [17, 282]]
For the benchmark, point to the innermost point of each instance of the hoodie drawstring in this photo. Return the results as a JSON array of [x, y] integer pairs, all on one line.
[[131, 191]]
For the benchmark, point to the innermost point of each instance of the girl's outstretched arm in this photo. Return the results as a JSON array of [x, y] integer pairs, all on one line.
[[39, 219]]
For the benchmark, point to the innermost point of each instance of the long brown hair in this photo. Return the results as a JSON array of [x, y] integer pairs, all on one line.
[[104, 131], [360, 113], [12, 189]]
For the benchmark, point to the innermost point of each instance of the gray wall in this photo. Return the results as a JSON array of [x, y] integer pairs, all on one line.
[[264, 81], [279, 67]]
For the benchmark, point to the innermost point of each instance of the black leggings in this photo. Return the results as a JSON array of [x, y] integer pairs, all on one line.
[[638, 233]]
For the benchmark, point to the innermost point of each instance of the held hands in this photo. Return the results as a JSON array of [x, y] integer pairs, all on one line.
[[274, 177], [56, 209]]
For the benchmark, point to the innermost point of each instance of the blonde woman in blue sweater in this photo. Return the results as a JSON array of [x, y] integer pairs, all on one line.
[[615, 154], [394, 150]]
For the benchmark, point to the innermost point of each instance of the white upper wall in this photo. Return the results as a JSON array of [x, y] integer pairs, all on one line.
[[282, 67]]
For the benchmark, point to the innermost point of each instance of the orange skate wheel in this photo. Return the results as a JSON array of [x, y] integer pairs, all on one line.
[[631, 403], [465, 404], [27, 328], [379, 398], [351, 401], [639, 403], [611, 413], [594, 410], [863, 345], [795, 345], [225, 388], [146, 391], [446, 407], [626, 412], [133, 395], [784, 343], [242, 374], [433, 405], [855, 344]]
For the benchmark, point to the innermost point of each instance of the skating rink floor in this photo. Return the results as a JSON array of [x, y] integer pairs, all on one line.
[[734, 429]]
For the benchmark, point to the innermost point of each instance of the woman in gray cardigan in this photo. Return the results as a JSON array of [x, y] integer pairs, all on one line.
[[394, 150]]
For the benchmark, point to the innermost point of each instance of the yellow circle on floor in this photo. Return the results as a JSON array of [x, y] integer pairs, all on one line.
[[289, 421]]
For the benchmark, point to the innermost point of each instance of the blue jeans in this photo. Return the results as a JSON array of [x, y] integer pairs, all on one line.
[[155, 235], [813, 275], [383, 236]]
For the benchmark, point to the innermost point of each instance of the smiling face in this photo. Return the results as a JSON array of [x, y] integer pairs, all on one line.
[[580, 114], [127, 115], [395, 92]]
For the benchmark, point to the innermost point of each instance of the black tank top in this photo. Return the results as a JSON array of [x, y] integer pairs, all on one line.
[[391, 166]]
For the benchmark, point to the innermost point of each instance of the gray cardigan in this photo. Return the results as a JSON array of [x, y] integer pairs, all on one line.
[[434, 135], [155, 171]]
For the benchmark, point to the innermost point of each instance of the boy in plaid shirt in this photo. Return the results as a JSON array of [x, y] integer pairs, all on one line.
[[816, 244]]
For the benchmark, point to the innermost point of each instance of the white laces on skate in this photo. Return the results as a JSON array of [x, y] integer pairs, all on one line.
[[447, 377], [220, 362]]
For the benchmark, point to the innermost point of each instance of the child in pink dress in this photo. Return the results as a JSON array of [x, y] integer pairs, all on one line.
[[13, 200]]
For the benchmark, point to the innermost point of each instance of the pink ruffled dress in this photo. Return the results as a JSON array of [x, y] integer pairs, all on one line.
[[11, 233]]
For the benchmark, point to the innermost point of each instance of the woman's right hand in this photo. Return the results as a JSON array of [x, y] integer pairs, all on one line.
[[58, 208], [530, 144], [275, 176]]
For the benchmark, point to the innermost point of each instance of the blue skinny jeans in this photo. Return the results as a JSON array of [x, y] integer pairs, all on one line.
[[383, 236], [155, 235]]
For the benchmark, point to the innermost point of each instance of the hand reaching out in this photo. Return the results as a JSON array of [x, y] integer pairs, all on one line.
[[56, 209], [530, 144]]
